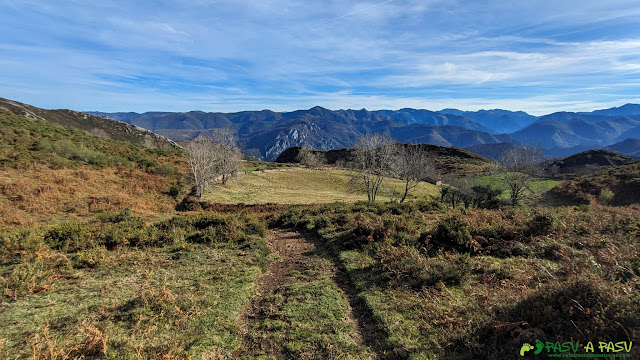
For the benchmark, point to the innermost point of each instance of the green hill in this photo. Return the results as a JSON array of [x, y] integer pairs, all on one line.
[[614, 186], [587, 162], [96, 125]]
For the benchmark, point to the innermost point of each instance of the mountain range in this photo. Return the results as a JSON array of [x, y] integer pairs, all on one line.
[[265, 134]]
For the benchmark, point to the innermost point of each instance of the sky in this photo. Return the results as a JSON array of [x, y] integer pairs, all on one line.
[[233, 55]]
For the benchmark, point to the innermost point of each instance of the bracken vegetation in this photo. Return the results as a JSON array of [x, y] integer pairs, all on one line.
[[51, 172], [478, 284], [119, 288], [104, 255]]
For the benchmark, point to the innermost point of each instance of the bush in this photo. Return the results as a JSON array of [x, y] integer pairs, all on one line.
[[541, 224], [43, 145], [605, 196], [486, 197], [131, 232], [451, 234], [255, 227], [405, 265], [166, 170], [69, 237], [366, 231], [174, 192], [450, 270]]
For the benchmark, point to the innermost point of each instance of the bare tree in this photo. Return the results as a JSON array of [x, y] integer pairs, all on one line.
[[519, 165], [372, 161], [202, 156], [210, 158], [411, 165], [309, 157], [227, 152]]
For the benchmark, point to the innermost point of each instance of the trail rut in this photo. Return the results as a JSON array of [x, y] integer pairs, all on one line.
[[294, 251]]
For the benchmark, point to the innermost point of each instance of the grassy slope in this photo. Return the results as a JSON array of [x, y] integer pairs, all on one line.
[[102, 127], [538, 186], [623, 181], [50, 172], [298, 187]]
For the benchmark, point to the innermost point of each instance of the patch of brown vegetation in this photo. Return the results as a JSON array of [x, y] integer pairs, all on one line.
[[40, 195]]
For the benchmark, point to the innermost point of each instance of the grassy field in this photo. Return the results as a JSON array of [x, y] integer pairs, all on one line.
[[118, 288], [302, 186], [538, 186]]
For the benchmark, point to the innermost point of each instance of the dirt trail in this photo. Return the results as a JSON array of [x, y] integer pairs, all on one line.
[[293, 248]]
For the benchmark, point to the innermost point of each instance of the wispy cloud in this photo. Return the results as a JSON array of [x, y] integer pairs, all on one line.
[[231, 55]]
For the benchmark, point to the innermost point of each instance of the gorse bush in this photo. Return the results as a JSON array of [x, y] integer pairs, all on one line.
[[69, 237], [451, 234], [541, 224], [605, 196]]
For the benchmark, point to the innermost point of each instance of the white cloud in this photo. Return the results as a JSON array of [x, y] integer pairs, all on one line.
[[291, 53]]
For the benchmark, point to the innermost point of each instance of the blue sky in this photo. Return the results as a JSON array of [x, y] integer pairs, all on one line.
[[230, 55]]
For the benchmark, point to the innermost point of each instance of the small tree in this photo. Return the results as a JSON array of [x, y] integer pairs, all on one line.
[[210, 158], [202, 156], [228, 155], [519, 165], [411, 165], [458, 189], [309, 157], [372, 162]]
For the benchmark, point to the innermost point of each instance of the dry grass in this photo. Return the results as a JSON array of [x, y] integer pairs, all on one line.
[[302, 186], [176, 298], [42, 195]]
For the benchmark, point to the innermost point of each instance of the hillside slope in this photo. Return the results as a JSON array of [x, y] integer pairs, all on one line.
[[49, 172], [96, 125], [588, 162], [623, 181], [629, 147]]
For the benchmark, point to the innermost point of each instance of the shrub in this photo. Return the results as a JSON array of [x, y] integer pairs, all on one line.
[[43, 145], [450, 270], [405, 265], [69, 237], [124, 215], [366, 231], [541, 224], [255, 227], [174, 192], [486, 197], [166, 170], [605, 196], [132, 232], [452, 234], [209, 236]]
